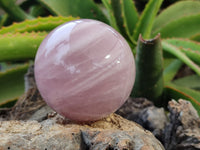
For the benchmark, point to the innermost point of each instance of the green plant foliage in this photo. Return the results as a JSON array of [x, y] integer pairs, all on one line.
[[184, 43], [26, 37], [194, 55], [40, 24], [177, 92], [37, 10], [145, 23], [8, 103], [6, 66], [171, 70], [3, 19], [149, 83], [184, 27], [176, 11], [117, 11], [182, 56], [190, 48], [75, 8], [123, 16], [12, 84], [191, 81], [129, 16], [196, 37], [108, 6], [14, 11], [20, 46]]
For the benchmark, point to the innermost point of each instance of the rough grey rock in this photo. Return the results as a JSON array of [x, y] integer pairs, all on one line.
[[143, 112], [153, 119], [41, 114], [111, 133], [183, 131], [133, 106]]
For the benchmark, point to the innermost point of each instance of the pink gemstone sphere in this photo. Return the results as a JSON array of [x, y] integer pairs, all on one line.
[[84, 70]]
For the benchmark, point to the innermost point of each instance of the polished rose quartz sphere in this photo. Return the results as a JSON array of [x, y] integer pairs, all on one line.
[[84, 70]]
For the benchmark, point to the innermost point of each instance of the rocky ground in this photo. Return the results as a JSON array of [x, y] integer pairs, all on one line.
[[177, 130]]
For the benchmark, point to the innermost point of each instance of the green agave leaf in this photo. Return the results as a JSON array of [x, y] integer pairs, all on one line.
[[12, 84], [168, 61], [192, 54], [5, 66], [171, 70], [14, 11], [3, 19], [75, 8], [173, 91], [190, 48], [196, 37], [117, 11], [149, 69], [123, 16], [39, 24], [182, 56], [145, 23], [130, 16], [176, 11], [8, 103], [108, 6], [37, 10], [192, 81], [184, 43], [184, 27], [20, 46]]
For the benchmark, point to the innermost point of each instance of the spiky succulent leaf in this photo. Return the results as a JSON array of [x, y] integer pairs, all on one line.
[[117, 11], [192, 81], [130, 17], [171, 70], [184, 43], [180, 55], [39, 24], [75, 8], [145, 23], [196, 37], [184, 27], [14, 11], [176, 11], [12, 84], [123, 16], [190, 48], [149, 69], [108, 6], [20, 46]]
